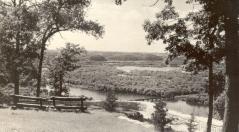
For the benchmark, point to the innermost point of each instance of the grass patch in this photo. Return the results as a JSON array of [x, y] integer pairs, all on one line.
[[40, 121]]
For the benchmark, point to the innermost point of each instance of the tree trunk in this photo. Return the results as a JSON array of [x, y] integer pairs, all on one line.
[[15, 67], [61, 83], [39, 75], [16, 84], [231, 116], [210, 96], [161, 128]]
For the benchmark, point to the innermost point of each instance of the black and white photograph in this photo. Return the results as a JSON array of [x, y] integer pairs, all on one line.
[[119, 65]]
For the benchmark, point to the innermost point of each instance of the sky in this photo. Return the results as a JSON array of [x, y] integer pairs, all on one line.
[[123, 26]]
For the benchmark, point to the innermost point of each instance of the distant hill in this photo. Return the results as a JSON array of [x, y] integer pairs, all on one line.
[[97, 58], [178, 61], [125, 56], [51, 53]]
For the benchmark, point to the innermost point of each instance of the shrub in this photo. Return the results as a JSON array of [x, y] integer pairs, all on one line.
[[5, 99], [60, 66], [199, 99], [110, 102], [159, 117], [135, 116], [191, 124]]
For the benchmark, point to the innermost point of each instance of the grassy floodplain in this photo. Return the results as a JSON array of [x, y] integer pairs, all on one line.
[[108, 74]]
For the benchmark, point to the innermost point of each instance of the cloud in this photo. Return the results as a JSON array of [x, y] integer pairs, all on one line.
[[123, 26]]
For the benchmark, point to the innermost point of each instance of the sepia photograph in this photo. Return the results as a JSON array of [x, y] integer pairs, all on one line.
[[119, 65]]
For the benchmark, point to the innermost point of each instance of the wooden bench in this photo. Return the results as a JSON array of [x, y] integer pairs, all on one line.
[[29, 101], [81, 99]]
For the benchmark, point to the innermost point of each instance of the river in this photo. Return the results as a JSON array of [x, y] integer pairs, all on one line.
[[179, 106], [132, 68]]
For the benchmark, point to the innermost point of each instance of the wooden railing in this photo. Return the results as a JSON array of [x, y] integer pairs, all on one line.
[[29, 101], [148, 99], [60, 105], [44, 103]]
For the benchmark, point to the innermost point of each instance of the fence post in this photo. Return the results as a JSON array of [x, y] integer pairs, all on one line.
[[54, 103], [41, 103], [82, 104], [15, 100]]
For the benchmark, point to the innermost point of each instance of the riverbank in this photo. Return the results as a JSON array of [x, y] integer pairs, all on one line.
[[179, 124], [180, 106]]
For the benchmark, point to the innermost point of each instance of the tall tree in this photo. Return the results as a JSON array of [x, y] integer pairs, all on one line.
[[56, 16], [226, 11], [231, 118], [18, 48], [192, 37], [66, 61]]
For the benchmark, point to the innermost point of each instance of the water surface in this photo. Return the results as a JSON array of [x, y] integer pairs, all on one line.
[[131, 68], [179, 106]]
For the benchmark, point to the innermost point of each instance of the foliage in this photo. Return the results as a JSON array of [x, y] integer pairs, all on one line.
[[225, 12], [42, 19], [119, 56], [18, 48], [135, 116], [208, 42], [219, 83], [61, 15], [202, 44], [199, 99], [65, 62], [5, 99], [119, 2], [191, 124], [220, 105], [159, 117], [97, 58], [110, 102], [153, 83], [172, 83]]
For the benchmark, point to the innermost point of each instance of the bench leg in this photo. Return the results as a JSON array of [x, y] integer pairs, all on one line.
[[14, 107], [83, 109]]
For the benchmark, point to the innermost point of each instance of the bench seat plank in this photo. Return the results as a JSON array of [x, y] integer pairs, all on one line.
[[70, 98], [70, 107], [31, 105], [29, 97]]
